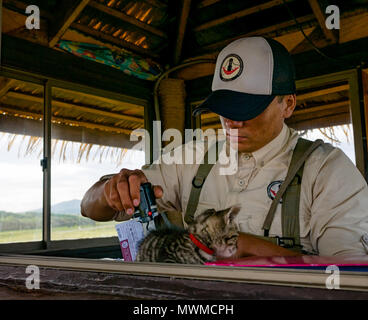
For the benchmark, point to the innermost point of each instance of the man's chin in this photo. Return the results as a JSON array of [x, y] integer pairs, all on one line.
[[243, 145]]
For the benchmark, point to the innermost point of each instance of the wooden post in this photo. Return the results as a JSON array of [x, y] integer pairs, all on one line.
[[1, 25], [148, 125], [364, 102], [46, 166], [181, 30]]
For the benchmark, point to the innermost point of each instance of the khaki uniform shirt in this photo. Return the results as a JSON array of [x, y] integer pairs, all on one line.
[[333, 200]]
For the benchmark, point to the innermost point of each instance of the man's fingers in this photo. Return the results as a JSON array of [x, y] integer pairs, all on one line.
[[135, 181], [124, 194], [112, 196]]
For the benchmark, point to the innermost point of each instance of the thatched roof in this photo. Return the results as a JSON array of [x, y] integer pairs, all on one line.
[[169, 33]]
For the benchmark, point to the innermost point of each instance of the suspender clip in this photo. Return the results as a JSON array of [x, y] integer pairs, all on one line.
[[285, 242]]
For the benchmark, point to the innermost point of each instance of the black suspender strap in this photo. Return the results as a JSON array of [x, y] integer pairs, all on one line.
[[198, 181], [290, 192]]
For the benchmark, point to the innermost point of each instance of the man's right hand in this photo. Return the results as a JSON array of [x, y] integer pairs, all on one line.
[[118, 194], [122, 191]]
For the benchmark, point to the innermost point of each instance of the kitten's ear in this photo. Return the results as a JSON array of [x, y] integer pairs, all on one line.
[[231, 213], [204, 216]]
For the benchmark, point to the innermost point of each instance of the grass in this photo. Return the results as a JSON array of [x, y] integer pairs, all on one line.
[[105, 229]]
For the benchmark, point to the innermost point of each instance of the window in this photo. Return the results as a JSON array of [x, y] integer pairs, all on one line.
[[21, 147], [90, 138]]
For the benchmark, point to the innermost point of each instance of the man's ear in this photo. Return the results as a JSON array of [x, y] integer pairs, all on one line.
[[290, 104]]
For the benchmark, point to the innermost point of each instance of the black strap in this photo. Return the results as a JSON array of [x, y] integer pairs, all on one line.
[[289, 192], [198, 181], [292, 183]]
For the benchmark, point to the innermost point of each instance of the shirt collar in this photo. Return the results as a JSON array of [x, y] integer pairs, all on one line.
[[270, 150]]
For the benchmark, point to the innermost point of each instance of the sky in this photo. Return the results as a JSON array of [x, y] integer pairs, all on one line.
[[21, 177]]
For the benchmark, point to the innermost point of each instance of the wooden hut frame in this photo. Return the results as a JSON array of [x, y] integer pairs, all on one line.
[[74, 20]]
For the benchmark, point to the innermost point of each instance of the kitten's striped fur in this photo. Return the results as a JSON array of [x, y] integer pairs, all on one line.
[[215, 229]]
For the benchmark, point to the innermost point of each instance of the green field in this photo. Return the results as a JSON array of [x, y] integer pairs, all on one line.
[[103, 229]]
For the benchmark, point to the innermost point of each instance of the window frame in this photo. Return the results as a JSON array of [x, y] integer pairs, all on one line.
[[352, 281], [48, 84], [356, 109], [284, 277]]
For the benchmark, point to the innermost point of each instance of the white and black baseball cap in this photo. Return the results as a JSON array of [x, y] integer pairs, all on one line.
[[250, 72]]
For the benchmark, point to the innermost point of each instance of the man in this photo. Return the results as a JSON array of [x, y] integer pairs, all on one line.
[[254, 92]]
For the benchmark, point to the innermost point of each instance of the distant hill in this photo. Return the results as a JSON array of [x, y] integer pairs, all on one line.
[[65, 207]]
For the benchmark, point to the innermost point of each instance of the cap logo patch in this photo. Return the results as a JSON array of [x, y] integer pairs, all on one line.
[[273, 188], [231, 67]]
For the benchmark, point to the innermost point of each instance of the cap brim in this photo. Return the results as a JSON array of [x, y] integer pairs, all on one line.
[[234, 105]]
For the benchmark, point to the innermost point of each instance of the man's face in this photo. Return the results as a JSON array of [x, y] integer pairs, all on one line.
[[255, 133]]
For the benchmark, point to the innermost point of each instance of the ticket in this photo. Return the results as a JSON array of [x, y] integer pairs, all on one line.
[[130, 234]]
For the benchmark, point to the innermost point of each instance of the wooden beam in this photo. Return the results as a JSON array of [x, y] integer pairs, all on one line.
[[352, 29], [65, 105], [215, 125], [365, 99], [117, 41], [38, 116], [209, 115], [125, 105], [321, 18], [321, 122], [321, 108], [277, 29], [23, 126], [239, 14], [322, 92], [181, 30], [6, 85], [73, 72], [206, 3], [157, 3], [20, 7], [128, 19], [65, 19], [1, 26]]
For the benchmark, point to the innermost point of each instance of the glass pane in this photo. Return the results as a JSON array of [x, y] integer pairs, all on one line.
[[21, 148], [339, 136], [323, 112], [90, 138]]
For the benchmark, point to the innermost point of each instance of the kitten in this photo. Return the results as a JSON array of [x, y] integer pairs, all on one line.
[[212, 233]]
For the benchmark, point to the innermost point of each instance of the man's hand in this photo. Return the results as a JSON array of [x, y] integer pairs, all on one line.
[[122, 190], [249, 245]]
